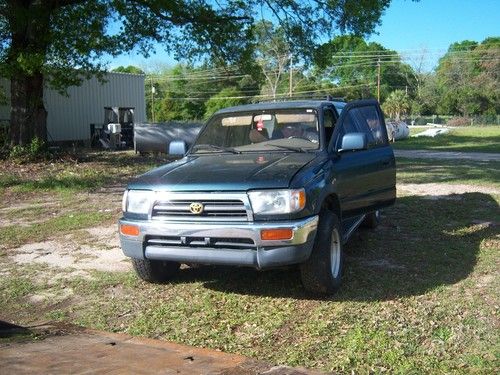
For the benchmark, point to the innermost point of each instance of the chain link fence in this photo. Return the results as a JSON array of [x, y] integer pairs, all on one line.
[[453, 120]]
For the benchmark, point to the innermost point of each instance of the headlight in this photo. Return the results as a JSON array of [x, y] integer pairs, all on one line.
[[137, 201], [269, 202]]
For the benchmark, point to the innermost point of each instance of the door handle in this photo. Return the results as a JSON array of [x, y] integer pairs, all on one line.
[[386, 162]]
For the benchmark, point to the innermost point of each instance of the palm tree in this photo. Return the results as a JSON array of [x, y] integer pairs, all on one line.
[[396, 104]]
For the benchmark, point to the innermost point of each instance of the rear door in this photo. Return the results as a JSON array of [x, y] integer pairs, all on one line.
[[366, 178]]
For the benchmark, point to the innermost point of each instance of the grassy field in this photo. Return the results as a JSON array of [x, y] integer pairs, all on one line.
[[467, 139], [420, 292], [411, 171]]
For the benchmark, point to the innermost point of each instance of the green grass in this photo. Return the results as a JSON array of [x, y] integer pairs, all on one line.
[[420, 292], [427, 306], [421, 171], [466, 139], [64, 181], [16, 235]]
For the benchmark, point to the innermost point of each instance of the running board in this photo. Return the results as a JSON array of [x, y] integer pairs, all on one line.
[[350, 226]]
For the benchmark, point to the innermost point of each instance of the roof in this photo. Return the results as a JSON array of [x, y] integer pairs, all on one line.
[[290, 104]]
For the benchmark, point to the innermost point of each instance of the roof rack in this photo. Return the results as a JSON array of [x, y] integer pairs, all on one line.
[[283, 98]]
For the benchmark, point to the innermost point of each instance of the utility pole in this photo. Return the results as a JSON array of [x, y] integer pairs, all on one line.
[[152, 101], [291, 74], [378, 80], [406, 85]]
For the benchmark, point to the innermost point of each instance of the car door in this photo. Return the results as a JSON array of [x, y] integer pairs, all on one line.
[[366, 179]]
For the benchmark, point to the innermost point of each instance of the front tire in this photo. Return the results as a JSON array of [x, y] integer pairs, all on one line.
[[155, 271], [322, 272]]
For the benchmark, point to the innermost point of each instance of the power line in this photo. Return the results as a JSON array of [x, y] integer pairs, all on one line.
[[281, 95]]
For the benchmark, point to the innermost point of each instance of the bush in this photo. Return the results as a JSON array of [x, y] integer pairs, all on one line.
[[36, 150], [459, 121]]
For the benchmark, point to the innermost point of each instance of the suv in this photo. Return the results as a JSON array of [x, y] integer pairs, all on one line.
[[264, 185]]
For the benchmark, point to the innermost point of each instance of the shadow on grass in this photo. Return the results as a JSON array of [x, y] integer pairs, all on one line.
[[422, 244], [428, 171]]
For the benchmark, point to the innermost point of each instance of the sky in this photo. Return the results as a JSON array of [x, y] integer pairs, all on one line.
[[425, 28]]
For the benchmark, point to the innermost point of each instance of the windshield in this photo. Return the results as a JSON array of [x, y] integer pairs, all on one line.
[[277, 130]]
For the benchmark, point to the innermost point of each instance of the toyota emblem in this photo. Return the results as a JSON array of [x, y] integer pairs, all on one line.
[[196, 208]]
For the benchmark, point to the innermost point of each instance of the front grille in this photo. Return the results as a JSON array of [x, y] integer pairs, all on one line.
[[212, 242], [214, 209]]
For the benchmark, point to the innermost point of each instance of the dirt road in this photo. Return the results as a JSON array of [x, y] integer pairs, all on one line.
[[79, 351]]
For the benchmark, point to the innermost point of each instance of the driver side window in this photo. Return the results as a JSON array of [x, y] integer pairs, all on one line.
[[363, 119]]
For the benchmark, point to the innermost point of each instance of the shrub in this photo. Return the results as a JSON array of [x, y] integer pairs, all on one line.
[[36, 150], [459, 121]]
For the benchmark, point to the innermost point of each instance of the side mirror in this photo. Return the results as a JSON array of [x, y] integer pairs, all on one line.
[[177, 148], [354, 142]]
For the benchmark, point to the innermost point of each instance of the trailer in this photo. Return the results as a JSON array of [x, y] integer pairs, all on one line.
[[159, 137]]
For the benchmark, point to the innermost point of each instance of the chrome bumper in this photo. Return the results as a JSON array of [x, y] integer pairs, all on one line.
[[263, 254]]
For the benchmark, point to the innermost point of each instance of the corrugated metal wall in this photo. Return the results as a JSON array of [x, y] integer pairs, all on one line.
[[69, 117]]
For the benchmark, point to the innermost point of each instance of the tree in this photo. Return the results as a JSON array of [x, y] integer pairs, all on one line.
[[468, 76], [182, 92], [273, 55], [427, 96], [61, 42], [396, 104], [227, 97], [129, 69], [351, 63]]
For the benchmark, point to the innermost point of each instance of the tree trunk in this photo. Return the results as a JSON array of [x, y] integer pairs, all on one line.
[[30, 24], [28, 117]]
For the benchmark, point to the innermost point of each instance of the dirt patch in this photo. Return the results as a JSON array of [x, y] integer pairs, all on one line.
[[54, 298], [445, 190], [98, 250]]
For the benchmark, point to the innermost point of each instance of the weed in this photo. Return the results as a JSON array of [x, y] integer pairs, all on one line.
[[36, 150]]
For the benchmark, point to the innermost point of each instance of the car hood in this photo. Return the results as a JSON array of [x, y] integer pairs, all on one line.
[[225, 172]]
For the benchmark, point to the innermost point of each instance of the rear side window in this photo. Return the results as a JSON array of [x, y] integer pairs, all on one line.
[[365, 120]]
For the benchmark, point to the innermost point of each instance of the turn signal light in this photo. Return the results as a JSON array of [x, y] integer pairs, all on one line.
[[129, 230], [302, 199], [276, 234]]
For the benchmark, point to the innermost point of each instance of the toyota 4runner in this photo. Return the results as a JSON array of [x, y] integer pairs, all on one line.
[[264, 185]]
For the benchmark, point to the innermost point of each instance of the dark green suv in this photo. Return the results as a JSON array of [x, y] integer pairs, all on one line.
[[264, 185]]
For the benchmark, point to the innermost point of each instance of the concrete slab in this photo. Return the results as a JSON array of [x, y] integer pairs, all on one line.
[[89, 352]]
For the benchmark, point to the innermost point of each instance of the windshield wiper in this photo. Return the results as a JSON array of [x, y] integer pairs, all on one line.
[[291, 148], [208, 146]]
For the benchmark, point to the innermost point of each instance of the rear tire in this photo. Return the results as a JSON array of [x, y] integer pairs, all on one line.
[[155, 271], [372, 220], [322, 273]]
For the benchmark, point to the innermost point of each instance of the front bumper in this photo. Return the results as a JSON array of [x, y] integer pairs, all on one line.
[[262, 254]]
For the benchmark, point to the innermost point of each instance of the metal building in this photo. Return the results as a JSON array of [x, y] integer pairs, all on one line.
[[69, 117]]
